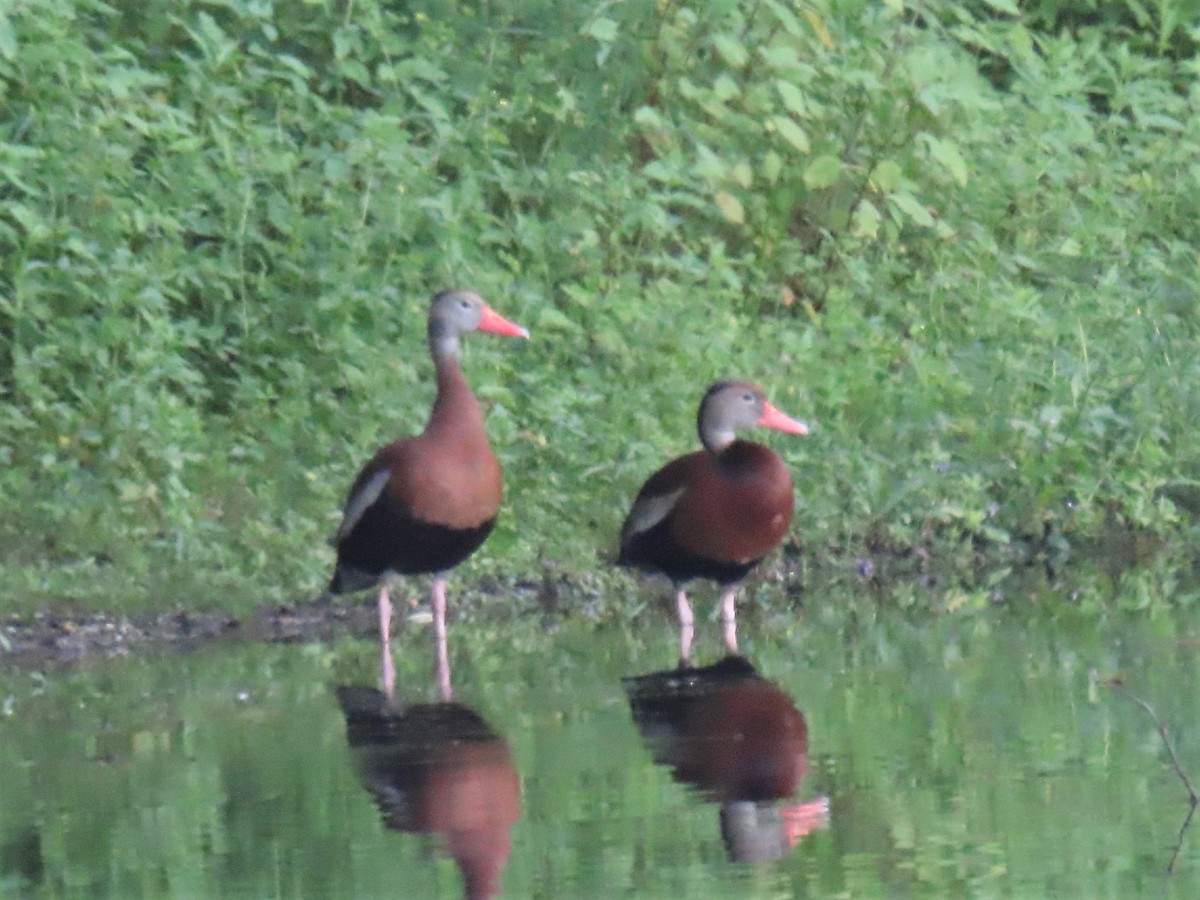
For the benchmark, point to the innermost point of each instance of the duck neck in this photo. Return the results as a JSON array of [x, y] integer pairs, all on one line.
[[443, 343], [715, 438], [455, 406]]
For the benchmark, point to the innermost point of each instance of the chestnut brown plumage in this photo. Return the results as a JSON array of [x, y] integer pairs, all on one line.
[[424, 504], [717, 512]]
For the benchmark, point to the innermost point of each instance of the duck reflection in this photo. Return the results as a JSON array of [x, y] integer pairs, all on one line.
[[739, 740], [438, 768]]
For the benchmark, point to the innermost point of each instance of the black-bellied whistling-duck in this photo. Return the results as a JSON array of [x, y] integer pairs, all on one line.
[[717, 512], [424, 504]]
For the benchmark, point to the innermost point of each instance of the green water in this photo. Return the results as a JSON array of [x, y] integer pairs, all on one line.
[[960, 757]]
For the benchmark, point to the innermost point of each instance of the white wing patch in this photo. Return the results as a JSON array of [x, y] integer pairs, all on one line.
[[648, 512], [361, 501]]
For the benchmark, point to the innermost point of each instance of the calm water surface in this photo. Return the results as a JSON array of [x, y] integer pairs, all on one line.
[[893, 757]]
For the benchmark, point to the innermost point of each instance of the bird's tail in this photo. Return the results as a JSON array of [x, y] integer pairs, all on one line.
[[346, 580], [335, 583]]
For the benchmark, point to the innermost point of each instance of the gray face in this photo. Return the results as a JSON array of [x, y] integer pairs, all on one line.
[[454, 313], [736, 405], [727, 408]]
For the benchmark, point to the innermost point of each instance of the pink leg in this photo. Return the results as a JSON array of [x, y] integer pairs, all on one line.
[[687, 626], [439, 635], [729, 619], [387, 667]]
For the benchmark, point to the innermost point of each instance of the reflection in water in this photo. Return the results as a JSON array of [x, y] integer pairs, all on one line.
[[438, 768], [739, 739]]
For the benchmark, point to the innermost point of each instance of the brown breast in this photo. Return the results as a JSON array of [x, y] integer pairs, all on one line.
[[449, 474], [737, 506]]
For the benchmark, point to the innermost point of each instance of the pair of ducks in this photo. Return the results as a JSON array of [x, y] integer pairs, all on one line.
[[424, 504]]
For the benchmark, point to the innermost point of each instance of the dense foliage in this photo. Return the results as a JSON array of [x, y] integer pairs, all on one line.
[[962, 239]]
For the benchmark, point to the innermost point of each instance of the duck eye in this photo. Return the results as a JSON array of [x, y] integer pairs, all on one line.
[[464, 304], [748, 398]]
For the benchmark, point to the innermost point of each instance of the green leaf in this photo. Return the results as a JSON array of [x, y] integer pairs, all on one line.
[[791, 132], [780, 57], [602, 29], [730, 206], [1005, 6], [662, 171], [731, 49], [550, 318], [1020, 40], [8, 40], [1157, 120], [279, 214], [772, 166], [424, 69], [709, 165], [648, 117], [866, 220], [30, 219], [911, 207], [822, 171], [786, 17], [886, 176], [295, 65], [1070, 247], [335, 168], [947, 153], [792, 97], [1050, 414], [726, 88]]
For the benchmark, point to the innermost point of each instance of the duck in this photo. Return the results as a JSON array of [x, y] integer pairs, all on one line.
[[423, 504], [716, 512]]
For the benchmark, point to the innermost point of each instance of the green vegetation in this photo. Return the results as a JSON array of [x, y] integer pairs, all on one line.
[[960, 239]]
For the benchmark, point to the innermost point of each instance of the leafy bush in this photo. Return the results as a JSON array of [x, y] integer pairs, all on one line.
[[961, 240]]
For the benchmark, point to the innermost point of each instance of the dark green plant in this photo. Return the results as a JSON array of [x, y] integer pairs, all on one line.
[[961, 242]]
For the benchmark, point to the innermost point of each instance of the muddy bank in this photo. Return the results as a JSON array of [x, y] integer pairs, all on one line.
[[1021, 569], [49, 638], [55, 637]]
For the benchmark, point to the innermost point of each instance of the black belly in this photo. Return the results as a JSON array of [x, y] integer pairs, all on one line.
[[654, 550], [388, 540]]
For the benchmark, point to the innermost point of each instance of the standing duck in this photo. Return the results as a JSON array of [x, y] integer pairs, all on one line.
[[424, 504], [717, 512]]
